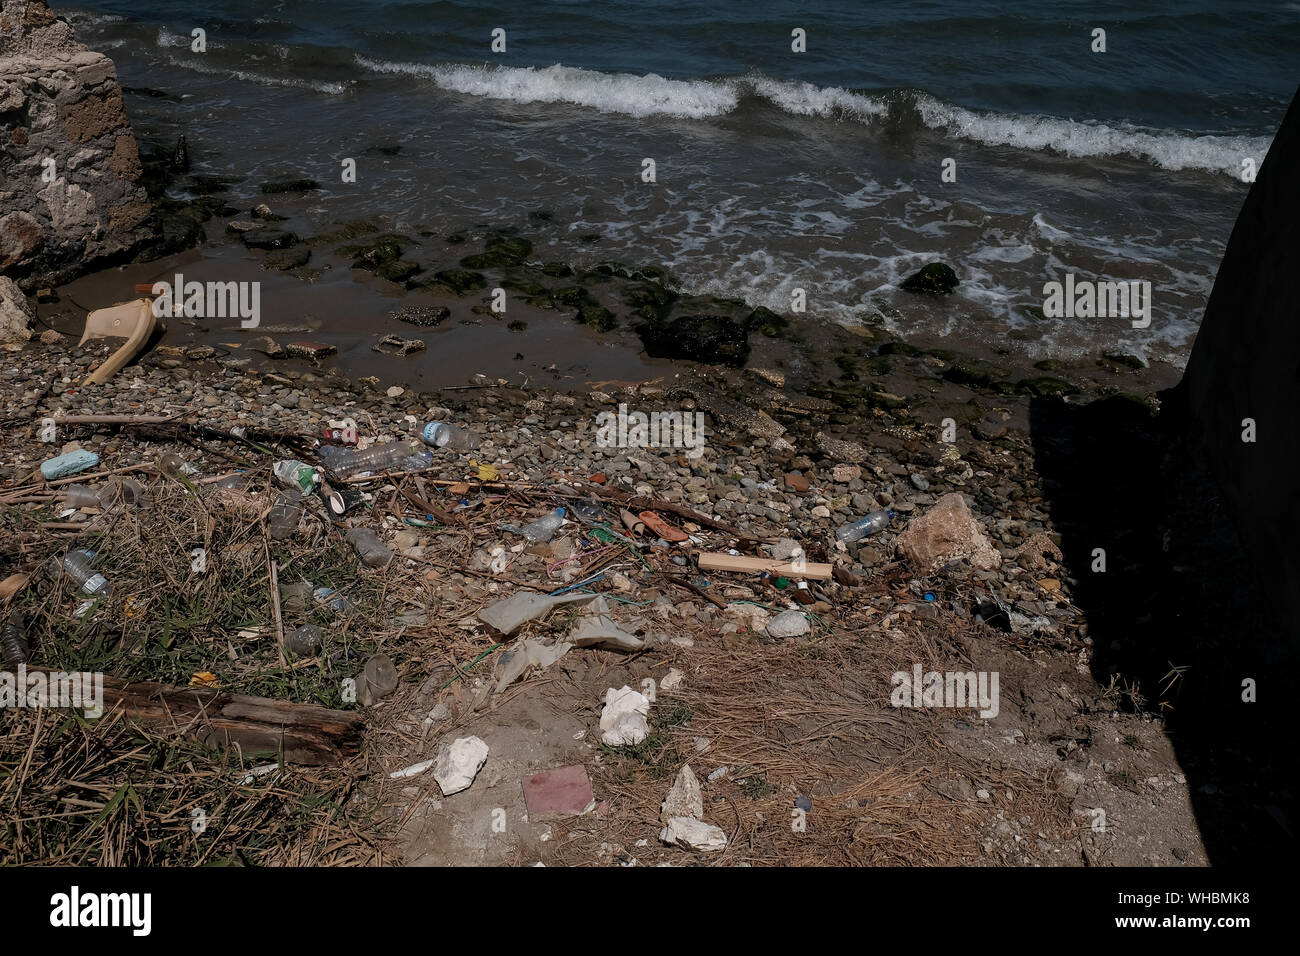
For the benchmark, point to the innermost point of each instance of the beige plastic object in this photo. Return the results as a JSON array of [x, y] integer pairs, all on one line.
[[133, 321]]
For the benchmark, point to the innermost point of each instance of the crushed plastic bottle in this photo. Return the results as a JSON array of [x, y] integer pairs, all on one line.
[[442, 435], [380, 676], [297, 474], [286, 512], [75, 565], [82, 496], [375, 460], [332, 600], [544, 528], [303, 641], [374, 553], [174, 466], [13, 647], [864, 527], [589, 510], [129, 492]]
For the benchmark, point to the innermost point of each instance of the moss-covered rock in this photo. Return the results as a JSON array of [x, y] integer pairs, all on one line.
[[573, 295], [268, 237], [712, 339], [397, 271], [766, 322], [290, 186], [461, 281], [1045, 387], [285, 259], [933, 279], [346, 232], [596, 316], [501, 252], [972, 373]]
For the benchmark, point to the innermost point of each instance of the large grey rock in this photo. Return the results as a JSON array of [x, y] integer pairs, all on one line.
[[946, 532], [16, 314], [62, 102]]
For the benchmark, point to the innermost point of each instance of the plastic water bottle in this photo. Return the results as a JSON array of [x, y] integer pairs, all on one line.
[[864, 527], [442, 435], [374, 553], [421, 460], [13, 648], [297, 474], [285, 514], [544, 528], [76, 565], [375, 460], [82, 496], [303, 641]]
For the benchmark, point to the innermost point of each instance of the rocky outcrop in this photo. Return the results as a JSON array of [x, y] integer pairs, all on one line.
[[16, 314], [69, 191]]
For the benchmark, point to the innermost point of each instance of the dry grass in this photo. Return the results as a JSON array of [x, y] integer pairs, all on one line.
[[77, 792]]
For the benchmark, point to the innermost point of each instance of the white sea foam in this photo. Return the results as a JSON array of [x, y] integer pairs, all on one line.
[[1221, 154], [649, 95], [654, 95], [262, 79]]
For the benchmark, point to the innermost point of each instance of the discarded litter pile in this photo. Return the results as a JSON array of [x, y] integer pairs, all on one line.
[[364, 556]]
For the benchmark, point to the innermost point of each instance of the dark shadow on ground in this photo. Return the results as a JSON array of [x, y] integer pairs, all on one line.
[[1177, 592]]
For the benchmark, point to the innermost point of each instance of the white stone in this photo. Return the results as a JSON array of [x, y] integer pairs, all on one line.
[[458, 763], [685, 799], [693, 835], [788, 624]]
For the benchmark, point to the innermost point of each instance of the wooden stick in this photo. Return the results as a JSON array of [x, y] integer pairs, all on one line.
[[304, 733], [791, 569], [275, 607], [114, 419]]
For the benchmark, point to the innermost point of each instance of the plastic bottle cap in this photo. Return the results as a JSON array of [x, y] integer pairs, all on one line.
[[561, 512]]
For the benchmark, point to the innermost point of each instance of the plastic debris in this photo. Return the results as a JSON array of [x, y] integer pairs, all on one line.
[[623, 720], [508, 615], [525, 654]]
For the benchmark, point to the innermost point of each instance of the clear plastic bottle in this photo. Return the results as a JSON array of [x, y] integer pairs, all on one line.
[[374, 553], [303, 641], [83, 496], [13, 648], [380, 676], [864, 527], [589, 510], [442, 435], [544, 528], [286, 512], [76, 566], [377, 459]]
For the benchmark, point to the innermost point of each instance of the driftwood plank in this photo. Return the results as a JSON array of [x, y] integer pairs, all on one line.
[[306, 733]]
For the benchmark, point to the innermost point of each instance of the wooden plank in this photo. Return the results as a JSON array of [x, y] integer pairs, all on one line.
[[307, 734], [710, 561]]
